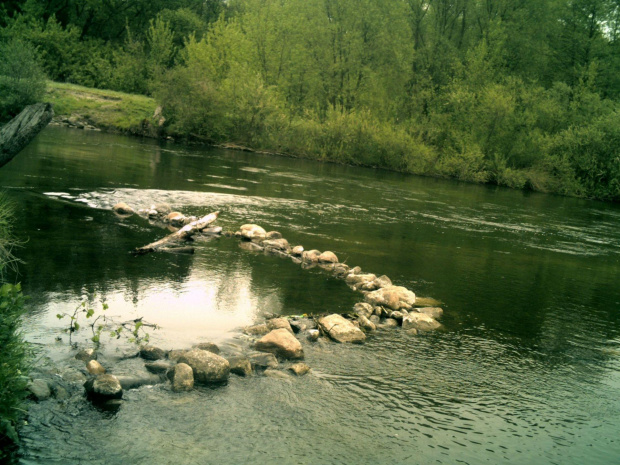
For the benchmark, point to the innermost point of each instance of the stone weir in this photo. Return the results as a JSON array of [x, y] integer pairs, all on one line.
[[272, 347]]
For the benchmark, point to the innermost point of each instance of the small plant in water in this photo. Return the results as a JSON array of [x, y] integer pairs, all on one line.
[[99, 322]]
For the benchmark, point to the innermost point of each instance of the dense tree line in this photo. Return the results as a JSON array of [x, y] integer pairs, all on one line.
[[522, 93]]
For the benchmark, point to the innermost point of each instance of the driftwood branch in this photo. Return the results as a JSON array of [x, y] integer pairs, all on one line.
[[18, 132], [183, 234]]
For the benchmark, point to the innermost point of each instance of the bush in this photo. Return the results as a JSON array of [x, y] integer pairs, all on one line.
[[22, 80]]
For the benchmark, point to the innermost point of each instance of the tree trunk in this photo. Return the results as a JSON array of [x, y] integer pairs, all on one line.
[[182, 234], [18, 132]]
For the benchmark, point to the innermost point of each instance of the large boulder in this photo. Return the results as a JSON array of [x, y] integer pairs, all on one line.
[[208, 367], [104, 387], [311, 256], [340, 329], [420, 322], [282, 343], [252, 232], [182, 378], [394, 297]]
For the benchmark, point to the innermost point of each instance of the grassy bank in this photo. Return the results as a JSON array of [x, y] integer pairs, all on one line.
[[105, 109]]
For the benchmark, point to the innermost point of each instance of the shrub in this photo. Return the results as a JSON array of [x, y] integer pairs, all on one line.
[[22, 81]]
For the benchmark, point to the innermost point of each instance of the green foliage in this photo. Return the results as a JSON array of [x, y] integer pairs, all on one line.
[[14, 363], [22, 81], [99, 322]]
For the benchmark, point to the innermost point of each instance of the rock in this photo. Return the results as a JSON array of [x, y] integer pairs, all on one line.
[[412, 332], [163, 209], [86, 355], [390, 323], [382, 281], [39, 389], [208, 367], [313, 335], [175, 219], [158, 367], [73, 376], [359, 281], [212, 231], [273, 235], [363, 309], [182, 378], [104, 387], [175, 355], [282, 343], [340, 329], [95, 368], [252, 232], [374, 319], [341, 270], [434, 312], [279, 323], [60, 393], [398, 315], [299, 369], [394, 297], [366, 324], [298, 250], [276, 374], [356, 270], [264, 360], [208, 346], [427, 302], [240, 366], [152, 353], [251, 247], [276, 244], [123, 209], [420, 321], [311, 256], [256, 330], [134, 381], [300, 325], [328, 257]]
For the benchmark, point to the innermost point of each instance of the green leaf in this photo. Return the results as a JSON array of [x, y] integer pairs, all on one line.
[[90, 313]]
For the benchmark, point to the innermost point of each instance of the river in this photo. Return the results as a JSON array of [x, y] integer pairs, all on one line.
[[526, 369]]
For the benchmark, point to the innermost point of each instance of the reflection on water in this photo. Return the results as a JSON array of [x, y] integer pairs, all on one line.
[[527, 369]]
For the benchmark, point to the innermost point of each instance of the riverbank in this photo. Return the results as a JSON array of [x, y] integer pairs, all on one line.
[[349, 139]]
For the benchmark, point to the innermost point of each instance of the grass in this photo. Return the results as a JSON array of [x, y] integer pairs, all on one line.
[[105, 109]]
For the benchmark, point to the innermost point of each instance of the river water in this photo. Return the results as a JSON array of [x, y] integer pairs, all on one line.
[[526, 369]]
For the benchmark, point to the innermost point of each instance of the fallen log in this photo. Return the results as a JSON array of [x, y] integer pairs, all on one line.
[[18, 132], [183, 234]]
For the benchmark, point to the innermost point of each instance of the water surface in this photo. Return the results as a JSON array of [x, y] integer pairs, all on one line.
[[526, 370]]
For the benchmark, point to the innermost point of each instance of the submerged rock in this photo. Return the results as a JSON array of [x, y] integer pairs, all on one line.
[[240, 366], [282, 343], [434, 312], [104, 387], [208, 346], [158, 367], [276, 374], [39, 389], [95, 368], [264, 361], [421, 322], [251, 247], [182, 378], [394, 297], [299, 369], [340, 329], [427, 302], [134, 381], [152, 353], [86, 355], [208, 367], [256, 330]]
